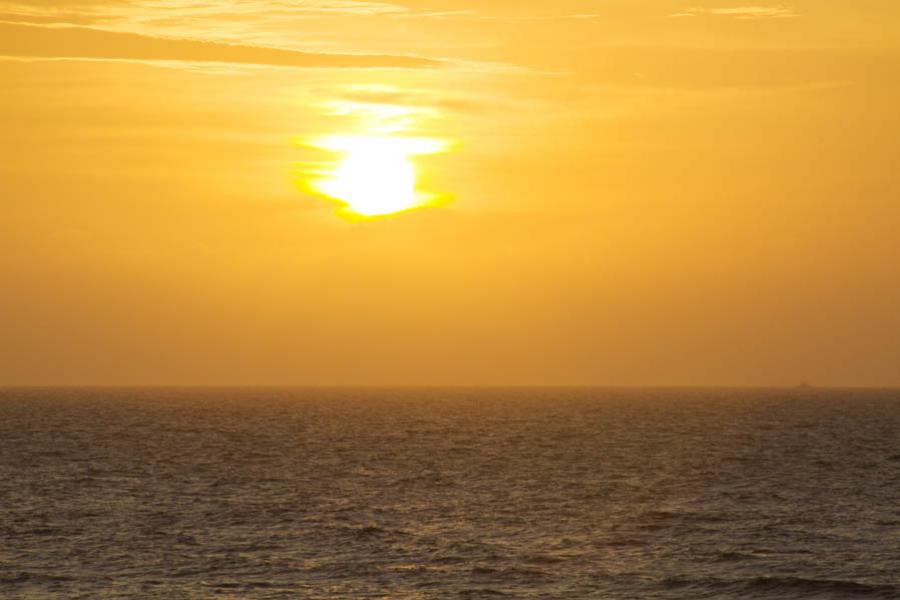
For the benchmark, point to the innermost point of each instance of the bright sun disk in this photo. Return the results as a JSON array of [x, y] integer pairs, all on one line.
[[376, 174]]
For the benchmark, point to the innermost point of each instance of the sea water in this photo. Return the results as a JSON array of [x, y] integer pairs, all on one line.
[[449, 493]]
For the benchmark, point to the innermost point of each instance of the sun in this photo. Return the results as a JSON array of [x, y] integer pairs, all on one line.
[[375, 174]]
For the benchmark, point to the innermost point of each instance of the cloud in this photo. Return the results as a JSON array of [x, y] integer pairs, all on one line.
[[233, 19], [241, 21], [742, 12], [419, 100], [473, 15], [206, 34], [33, 41], [209, 8]]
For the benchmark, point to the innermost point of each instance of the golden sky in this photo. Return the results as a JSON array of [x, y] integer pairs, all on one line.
[[636, 192]]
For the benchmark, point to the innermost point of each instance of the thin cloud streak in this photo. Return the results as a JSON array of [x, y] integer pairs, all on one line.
[[472, 15], [34, 41], [256, 22], [742, 12]]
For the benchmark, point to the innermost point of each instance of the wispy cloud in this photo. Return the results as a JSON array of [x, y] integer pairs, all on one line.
[[267, 32], [742, 12], [236, 17], [256, 21], [474, 15], [54, 42], [424, 101], [209, 8]]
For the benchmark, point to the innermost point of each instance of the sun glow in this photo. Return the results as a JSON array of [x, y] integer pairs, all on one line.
[[375, 175]]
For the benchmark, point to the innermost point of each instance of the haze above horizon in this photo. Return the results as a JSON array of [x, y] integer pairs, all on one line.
[[422, 192]]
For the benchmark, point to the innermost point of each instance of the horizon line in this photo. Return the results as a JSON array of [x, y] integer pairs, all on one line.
[[803, 386]]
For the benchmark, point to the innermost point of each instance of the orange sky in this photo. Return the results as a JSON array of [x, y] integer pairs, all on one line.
[[638, 192]]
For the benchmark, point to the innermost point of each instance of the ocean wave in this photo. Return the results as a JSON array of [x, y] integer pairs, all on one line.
[[784, 587]]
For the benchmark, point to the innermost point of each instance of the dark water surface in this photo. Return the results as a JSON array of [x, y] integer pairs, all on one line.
[[403, 494]]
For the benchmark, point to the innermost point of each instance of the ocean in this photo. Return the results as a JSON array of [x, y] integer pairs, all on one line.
[[449, 493]]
